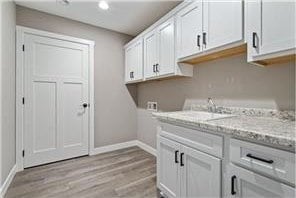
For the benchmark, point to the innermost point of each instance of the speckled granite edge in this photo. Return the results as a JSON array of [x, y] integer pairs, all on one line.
[[271, 113], [288, 143]]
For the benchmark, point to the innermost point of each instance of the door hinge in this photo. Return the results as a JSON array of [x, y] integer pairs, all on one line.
[[23, 48], [23, 100], [23, 153]]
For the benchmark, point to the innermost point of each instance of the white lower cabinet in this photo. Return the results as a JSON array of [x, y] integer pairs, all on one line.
[[187, 167], [200, 174], [186, 172], [167, 167], [247, 184]]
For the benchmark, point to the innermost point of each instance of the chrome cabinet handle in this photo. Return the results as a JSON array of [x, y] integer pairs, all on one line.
[[259, 159]]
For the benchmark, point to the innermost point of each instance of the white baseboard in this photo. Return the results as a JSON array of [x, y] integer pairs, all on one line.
[[7, 181], [114, 147], [147, 148]]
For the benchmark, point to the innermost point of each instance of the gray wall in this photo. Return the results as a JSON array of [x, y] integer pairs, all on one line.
[[230, 82], [7, 93], [115, 109]]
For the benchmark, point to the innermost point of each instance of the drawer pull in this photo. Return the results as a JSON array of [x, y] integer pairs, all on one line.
[[259, 159], [232, 185], [176, 157]]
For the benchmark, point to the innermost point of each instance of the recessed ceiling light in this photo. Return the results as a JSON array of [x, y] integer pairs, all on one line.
[[64, 2], [103, 5]]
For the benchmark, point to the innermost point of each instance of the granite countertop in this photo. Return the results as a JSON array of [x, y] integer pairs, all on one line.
[[274, 129]]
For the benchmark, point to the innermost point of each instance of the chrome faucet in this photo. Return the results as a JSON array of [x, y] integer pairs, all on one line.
[[211, 106]]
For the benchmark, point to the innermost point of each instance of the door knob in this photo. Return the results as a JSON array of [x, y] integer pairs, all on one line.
[[84, 105]]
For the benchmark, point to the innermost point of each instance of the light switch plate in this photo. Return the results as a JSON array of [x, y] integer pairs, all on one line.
[[152, 106]]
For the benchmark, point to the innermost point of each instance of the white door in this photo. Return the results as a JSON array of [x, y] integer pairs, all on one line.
[[166, 33], [222, 23], [150, 54], [200, 174], [276, 29], [168, 163], [189, 30], [246, 184], [55, 89]]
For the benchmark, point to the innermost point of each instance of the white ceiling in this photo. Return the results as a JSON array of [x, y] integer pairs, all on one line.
[[125, 16]]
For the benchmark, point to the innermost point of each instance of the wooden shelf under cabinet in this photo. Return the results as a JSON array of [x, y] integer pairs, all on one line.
[[276, 60], [217, 55]]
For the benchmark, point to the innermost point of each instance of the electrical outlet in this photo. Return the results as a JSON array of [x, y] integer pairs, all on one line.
[[152, 106]]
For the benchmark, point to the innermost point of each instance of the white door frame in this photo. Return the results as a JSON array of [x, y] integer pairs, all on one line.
[[20, 32]]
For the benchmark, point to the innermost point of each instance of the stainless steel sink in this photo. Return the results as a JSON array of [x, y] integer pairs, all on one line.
[[205, 116]]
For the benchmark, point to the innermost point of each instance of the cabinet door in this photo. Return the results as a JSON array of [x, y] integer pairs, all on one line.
[[222, 22], [246, 184], [200, 174], [138, 60], [129, 64], [168, 177], [166, 33], [150, 53], [278, 26], [253, 27], [276, 29], [189, 30]]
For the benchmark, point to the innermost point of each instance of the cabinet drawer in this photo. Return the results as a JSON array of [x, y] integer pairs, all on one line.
[[276, 163], [247, 184], [208, 143]]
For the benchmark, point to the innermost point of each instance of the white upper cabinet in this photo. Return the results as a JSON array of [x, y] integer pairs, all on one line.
[[134, 62], [189, 30], [159, 50], [222, 23], [205, 25], [150, 53], [167, 61], [270, 28]]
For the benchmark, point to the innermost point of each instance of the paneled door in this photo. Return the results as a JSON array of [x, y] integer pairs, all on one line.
[[167, 61], [222, 23], [168, 166], [189, 30], [150, 54], [246, 184], [56, 96], [276, 31], [200, 174]]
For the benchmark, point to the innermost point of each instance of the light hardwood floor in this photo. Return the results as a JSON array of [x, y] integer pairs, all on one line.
[[128, 172]]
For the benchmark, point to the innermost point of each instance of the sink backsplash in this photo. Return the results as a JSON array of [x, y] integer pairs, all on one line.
[[271, 113]]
